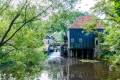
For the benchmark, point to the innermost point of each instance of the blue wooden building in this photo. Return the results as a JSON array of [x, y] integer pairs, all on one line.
[[80, 43]]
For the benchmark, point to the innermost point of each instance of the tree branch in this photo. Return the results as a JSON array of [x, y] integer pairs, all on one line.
[[26, 22], [9, 28], [11, 24]]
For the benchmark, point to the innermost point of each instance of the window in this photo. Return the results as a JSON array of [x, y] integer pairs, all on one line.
[[96, 41], [72, 40], [80, 40]]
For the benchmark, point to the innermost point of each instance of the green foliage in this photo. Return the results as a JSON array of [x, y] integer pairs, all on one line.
[[111, 40], [110, 47], [115, 59], [61, 20], [109, 8], [58, 23], [22, 53], [24, 47], [20, 62], [90, 26]]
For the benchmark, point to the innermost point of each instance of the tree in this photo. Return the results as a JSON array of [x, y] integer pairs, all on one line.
[[61, 21], [110, 8], [21, 15], [21, 32], [110, 46]]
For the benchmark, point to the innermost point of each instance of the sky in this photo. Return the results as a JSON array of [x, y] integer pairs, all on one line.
[[85, 5]]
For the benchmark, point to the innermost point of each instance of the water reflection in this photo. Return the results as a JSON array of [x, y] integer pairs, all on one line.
[[58, 68]]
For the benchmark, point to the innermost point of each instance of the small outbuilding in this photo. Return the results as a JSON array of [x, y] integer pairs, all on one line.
[[48, 40], [81, 44]]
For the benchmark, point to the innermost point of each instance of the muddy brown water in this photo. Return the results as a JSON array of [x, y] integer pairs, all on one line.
[[58, 68]]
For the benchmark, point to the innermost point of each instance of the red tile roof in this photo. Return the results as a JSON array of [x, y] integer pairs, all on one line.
[[80, 21]]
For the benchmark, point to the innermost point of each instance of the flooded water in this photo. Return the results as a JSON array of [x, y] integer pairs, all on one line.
[[58, 68]]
